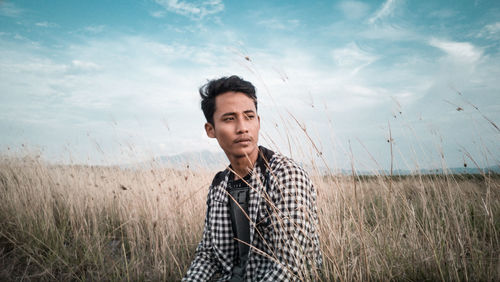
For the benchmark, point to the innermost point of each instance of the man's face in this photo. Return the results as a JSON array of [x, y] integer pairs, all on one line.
[[236, 125]]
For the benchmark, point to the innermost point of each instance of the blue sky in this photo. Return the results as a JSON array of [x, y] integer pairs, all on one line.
[[116, 81]]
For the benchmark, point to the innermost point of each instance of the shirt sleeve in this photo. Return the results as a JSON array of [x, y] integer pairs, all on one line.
[[204, 265], [294, 240]]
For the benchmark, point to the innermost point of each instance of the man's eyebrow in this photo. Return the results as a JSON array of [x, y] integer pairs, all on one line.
[[234, 113]]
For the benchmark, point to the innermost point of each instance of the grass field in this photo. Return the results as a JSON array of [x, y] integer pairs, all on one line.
[[110, 223]]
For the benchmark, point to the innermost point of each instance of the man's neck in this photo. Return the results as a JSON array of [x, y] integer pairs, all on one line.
[[243, 165]]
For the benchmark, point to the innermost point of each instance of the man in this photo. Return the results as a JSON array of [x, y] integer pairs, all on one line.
[[261, 220]]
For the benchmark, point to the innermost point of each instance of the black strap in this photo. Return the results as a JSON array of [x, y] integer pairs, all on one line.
[[239, 220], [218, 178], [265, 157], [241, 229]]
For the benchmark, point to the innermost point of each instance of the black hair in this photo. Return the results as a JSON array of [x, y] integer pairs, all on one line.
[[215, 87]]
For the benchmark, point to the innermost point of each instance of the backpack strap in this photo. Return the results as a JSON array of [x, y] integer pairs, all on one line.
[[266, 156], [218, 178], [239, 221]]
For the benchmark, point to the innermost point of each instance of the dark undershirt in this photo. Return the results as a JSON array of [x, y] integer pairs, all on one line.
[[239, 190]]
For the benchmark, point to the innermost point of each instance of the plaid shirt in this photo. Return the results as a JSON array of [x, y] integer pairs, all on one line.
[[283, 226]]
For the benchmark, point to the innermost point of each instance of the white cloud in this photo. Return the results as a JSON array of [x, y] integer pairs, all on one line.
[[443, 13], [134, 80], [84, 65], [95, 28], [354, 9], [8, 9], [279, 24], [459, 51], [490, 31], [195, 10], [46, 24], [390, 32], [299, 83], [386, 10], [139, 82], [351, 57], [158, 14]]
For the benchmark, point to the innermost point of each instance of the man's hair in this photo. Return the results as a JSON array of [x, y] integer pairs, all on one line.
[[216, 87]]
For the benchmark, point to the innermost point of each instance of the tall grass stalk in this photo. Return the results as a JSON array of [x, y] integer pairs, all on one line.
[[109, 223]]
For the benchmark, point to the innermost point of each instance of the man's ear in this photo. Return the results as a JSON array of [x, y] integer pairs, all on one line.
[[210, 130]]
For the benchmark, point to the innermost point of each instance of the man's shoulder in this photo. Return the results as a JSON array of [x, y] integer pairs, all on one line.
[[282, 162], [278, 164], [287, 173], [218, 178]]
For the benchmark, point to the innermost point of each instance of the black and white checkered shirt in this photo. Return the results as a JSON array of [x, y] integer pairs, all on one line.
[[283, 226]]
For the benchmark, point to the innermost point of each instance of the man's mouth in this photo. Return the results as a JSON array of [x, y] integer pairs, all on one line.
[[243, 140]]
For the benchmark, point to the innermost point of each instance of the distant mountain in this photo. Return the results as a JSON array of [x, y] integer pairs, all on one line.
[[203, 159], [454, 170], [218, 161]]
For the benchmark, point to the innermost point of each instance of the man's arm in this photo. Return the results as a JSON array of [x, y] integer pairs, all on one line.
[[294, 233], [204, 264]]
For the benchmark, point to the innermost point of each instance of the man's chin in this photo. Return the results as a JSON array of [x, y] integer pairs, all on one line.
[[243, 152]]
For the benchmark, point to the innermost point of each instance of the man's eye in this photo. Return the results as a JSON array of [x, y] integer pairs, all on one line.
[[228, 119], [250, 116]]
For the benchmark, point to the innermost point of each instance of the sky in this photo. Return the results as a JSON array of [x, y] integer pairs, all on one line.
[[339, 83]]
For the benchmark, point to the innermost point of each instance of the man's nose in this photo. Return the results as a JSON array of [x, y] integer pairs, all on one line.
[[242, 126]]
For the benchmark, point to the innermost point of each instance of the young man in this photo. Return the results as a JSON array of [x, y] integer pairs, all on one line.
[[261, 220]]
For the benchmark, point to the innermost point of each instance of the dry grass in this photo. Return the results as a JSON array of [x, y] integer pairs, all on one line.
[[97, 223], [420, 228], [110, 223]]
